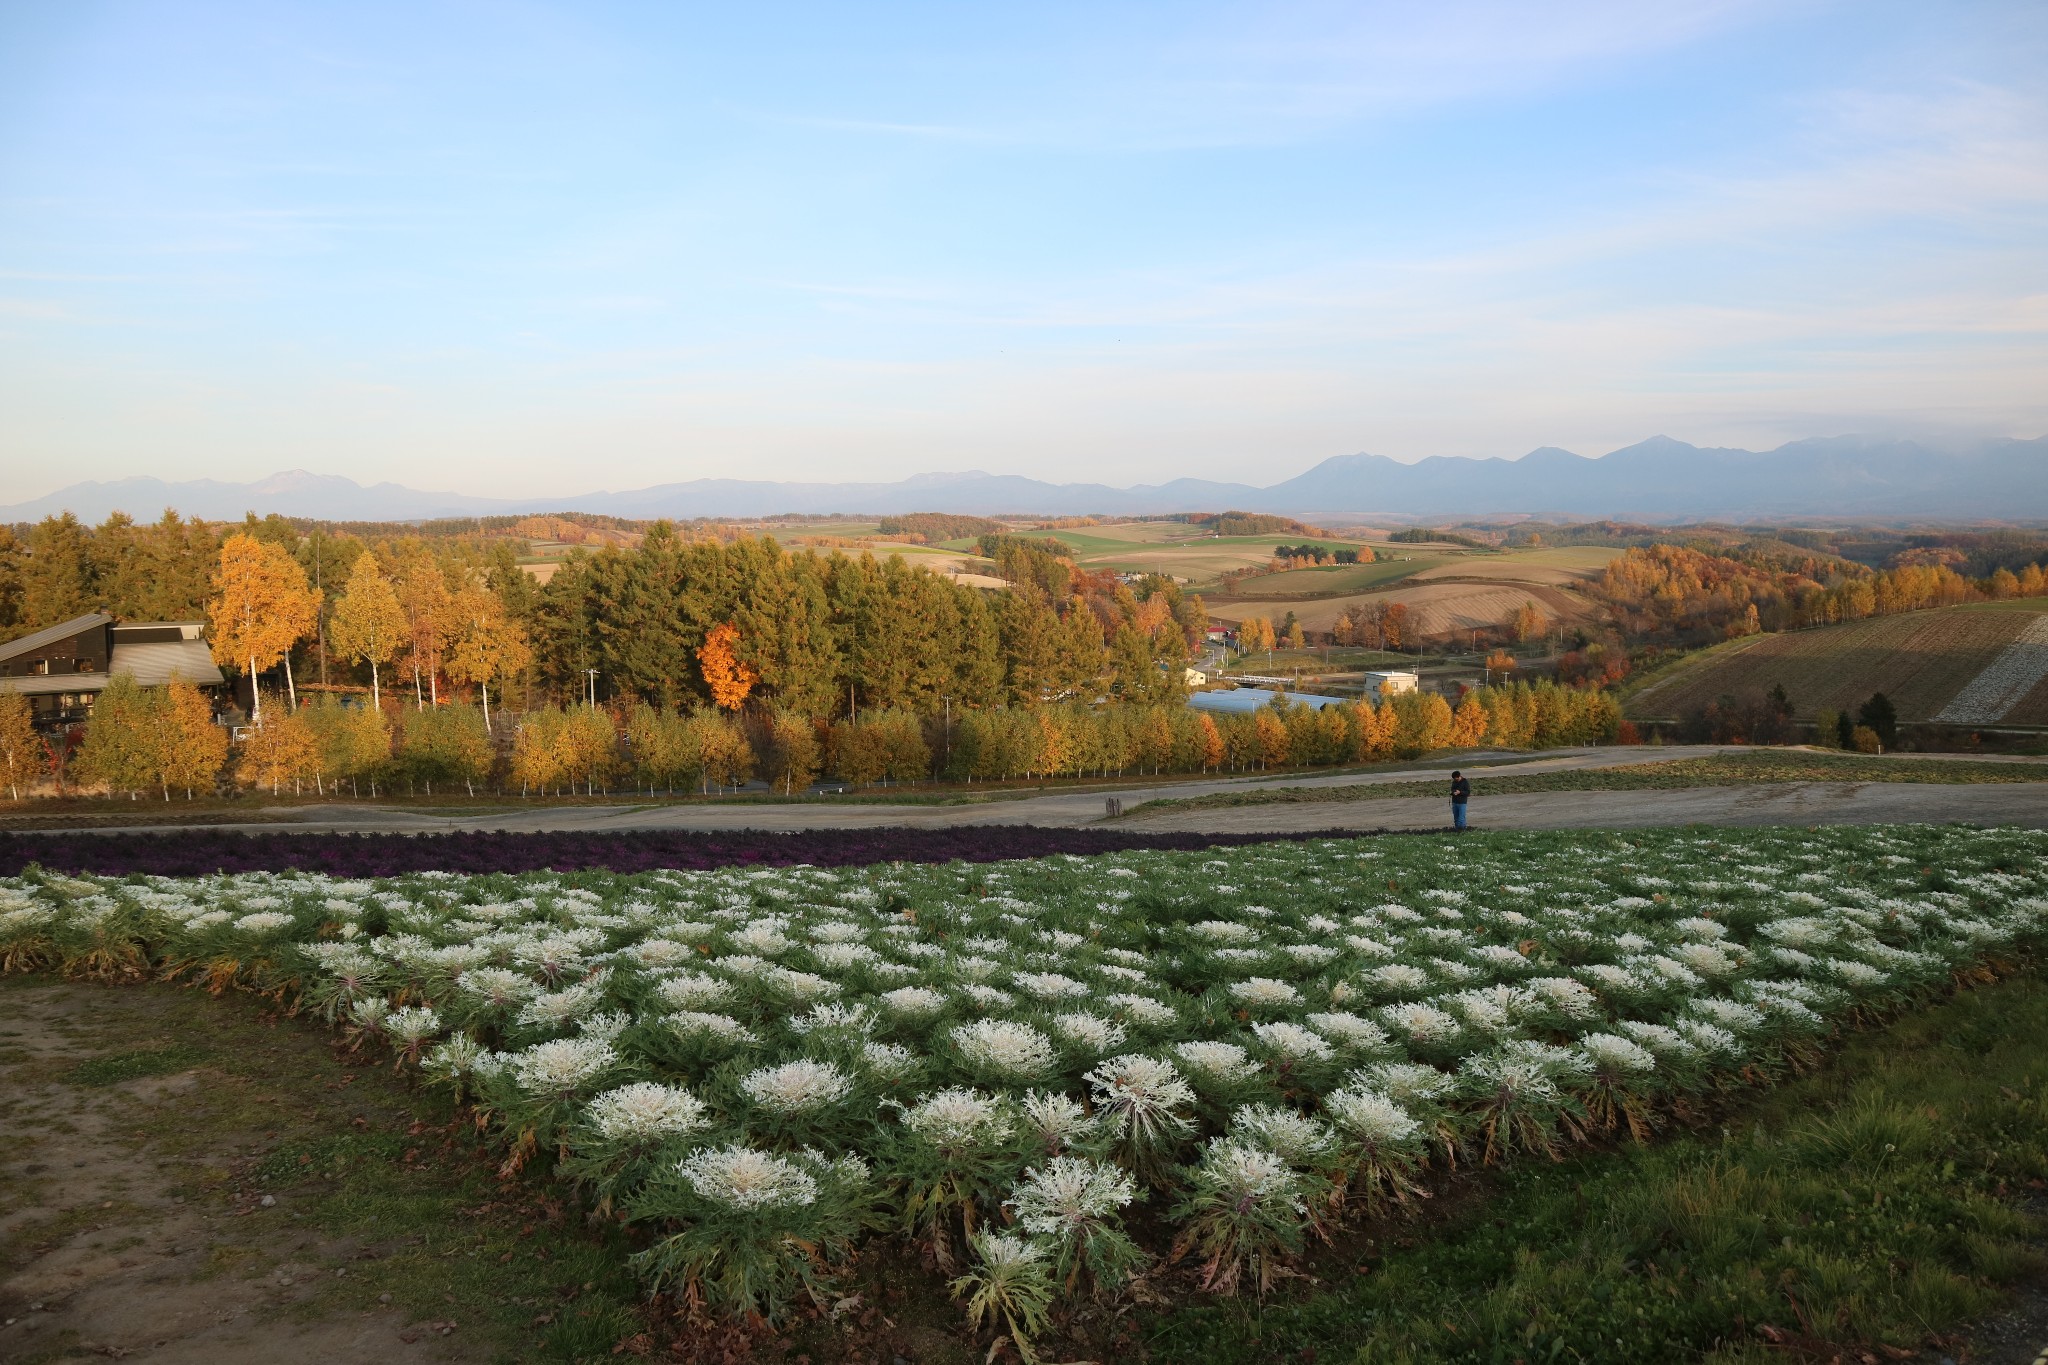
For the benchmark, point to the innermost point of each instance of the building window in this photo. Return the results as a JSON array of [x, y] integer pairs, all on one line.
[[39, 667]]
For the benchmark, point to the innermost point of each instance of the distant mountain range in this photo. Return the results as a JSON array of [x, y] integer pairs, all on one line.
[[1655, 480]]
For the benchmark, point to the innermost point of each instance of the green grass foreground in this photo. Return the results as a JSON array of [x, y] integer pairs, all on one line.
[[1721, 770], [1878, 1204]]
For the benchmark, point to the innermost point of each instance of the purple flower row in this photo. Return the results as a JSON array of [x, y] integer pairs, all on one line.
[[198, 852]]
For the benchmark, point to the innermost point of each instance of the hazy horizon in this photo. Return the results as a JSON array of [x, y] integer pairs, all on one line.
[[538, 251]]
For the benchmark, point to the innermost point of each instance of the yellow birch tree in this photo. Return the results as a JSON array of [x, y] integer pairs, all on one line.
[[369, 624], [21, 753], [262, 606], [486, 644]]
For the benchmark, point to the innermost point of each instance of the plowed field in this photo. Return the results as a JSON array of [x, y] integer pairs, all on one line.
[[1920, 660], [1434, 608]]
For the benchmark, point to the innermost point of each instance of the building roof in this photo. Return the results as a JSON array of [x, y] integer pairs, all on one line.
[[154, 665], [1252, 698], [50, 635], [151, 665]]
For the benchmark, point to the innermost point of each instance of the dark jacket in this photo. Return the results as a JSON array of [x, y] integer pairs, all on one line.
[[1461, 791]]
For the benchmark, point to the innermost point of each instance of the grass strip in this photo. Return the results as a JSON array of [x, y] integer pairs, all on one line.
[[130, 1066], [1876, 1205], [1721, 770]]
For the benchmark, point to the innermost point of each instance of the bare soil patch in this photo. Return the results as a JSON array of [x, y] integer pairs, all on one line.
[[192, 1180]]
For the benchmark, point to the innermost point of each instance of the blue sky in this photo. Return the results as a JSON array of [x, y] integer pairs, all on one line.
[[548, 248]]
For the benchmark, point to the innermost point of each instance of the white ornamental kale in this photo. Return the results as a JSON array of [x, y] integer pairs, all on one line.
[[1262, 992], [561, 1067], [693, 991], [1529, 1071], [661, 952], [1292, 1042], [721, 1028], [888, 1061], [1143, 1010], [1658, 1038], [1566, 996], [646, 1112], [1049, 985], [1006, 1048], [1090, 1032], [1055, 1119], [1145, 1092], [796, 1087], [1419, 1023], [802, 987], [1295, 1138], [264, 923], [960, 1118], [1370, 1118], [411, 1026], [558, 1009], [1349, 1030], [988, 997], [1217, 1063], [1612, 1056], [913, 1002], [834, 1019], [1244, 1176], [743, 1179], [1406, 1082], [1398, 978], [1067, 1194]]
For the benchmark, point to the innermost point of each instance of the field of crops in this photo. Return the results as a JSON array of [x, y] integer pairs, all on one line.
[[1054, 1074], [1434, 608], [1920, 660]]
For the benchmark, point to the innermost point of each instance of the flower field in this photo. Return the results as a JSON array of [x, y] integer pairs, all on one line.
[[1055, 1074]]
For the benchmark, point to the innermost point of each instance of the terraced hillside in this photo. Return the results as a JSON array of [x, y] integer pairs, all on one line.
[[1921, 660]]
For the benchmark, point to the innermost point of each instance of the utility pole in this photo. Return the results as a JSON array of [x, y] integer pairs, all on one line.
[[592, 673]]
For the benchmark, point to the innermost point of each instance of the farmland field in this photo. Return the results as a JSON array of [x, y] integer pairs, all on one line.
[[1216, 1056], [1920, 660], [1342, 578], [1434, 608], [1557, 568]]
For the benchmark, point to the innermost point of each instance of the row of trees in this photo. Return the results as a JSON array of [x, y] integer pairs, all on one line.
[[162, 741], [1671, 591]]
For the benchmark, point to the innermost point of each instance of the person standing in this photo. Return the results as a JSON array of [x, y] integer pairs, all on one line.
[[1461, 792]]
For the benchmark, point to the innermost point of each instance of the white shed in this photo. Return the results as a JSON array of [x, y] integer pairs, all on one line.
[[1387, 683]]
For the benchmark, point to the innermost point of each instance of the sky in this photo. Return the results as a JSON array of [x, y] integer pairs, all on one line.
[[529, 249]]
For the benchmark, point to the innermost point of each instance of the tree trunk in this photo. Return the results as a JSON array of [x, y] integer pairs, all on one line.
[[255, 694], [376, 697], [289, 685], [485, 688]]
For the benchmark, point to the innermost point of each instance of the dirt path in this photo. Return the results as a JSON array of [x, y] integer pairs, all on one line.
[[120, 1235], [185, 1180], [1784, 803]]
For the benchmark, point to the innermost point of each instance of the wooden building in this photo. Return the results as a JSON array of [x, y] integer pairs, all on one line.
[[62, 668]]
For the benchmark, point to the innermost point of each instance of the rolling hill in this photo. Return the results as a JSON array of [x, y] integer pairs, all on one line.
[[1922, 660]]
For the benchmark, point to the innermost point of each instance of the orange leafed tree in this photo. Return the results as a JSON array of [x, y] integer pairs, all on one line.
[[263, 606], [725, 673]]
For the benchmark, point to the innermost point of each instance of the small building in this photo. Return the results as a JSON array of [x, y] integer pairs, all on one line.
[[1391, 683], [1252, 698], [63, 668], [1194, 677]]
